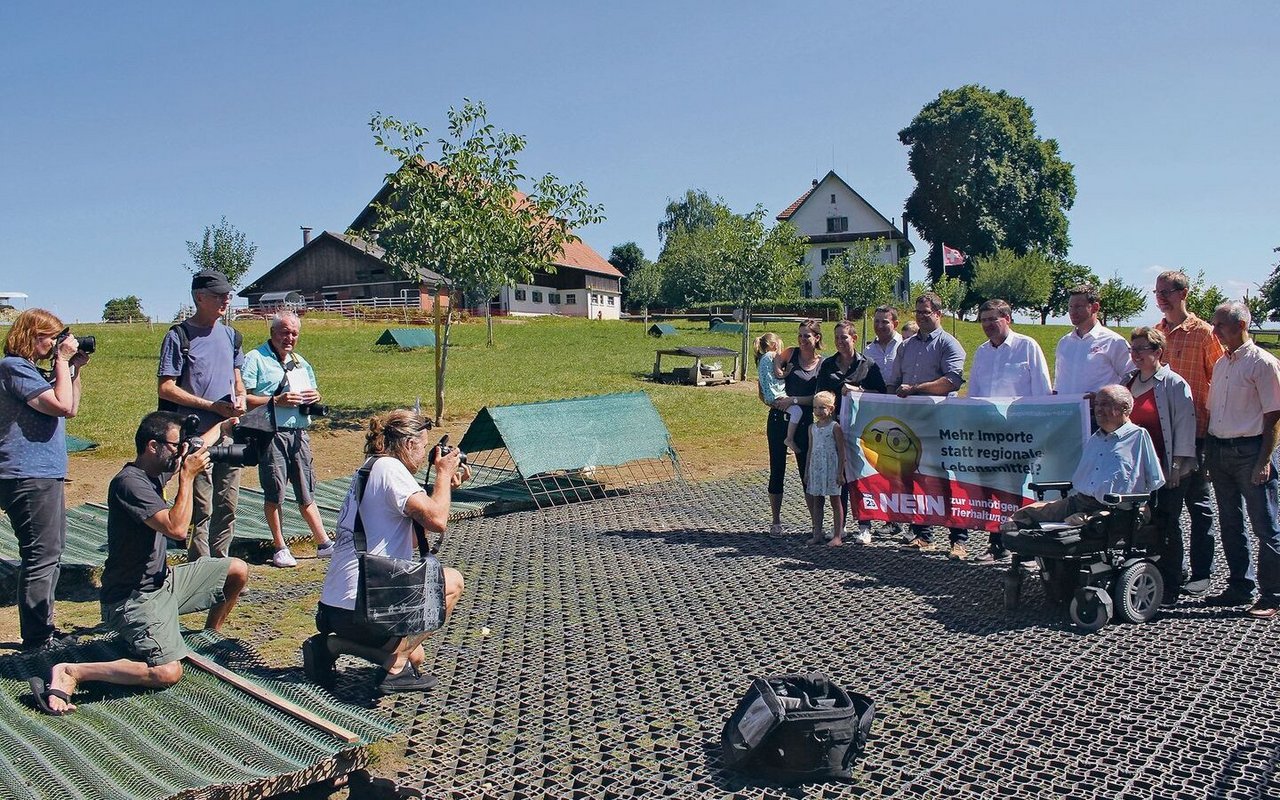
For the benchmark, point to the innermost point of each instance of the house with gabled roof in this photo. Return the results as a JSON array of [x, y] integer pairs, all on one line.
[[832, 216]]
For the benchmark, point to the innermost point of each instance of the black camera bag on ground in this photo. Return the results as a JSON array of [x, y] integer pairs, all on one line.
[[797, 728], [400, 597]]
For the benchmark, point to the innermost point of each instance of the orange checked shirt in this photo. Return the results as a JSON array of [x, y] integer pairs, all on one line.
[[1191, 351]]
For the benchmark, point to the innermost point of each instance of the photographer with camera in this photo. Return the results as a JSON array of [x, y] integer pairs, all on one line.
[[141, 596], [199, 373], [34, 407], [391, 504], [276, 370]]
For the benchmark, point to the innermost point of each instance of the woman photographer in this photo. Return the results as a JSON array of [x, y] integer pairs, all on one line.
[[34, 407], [396, 446]]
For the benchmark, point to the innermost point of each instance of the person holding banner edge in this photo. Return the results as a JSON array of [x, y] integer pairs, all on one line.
[[930, 363]]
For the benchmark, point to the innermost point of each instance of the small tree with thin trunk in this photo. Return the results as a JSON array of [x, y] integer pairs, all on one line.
[[1120, 301], [861, 279], [222, 248], [463, 214]]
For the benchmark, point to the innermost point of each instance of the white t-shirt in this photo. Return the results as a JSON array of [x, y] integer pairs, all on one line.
[[387, 530]]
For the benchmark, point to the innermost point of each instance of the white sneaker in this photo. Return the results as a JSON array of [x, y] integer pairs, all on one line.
[[863, 537], [325, 551], [283, 558]]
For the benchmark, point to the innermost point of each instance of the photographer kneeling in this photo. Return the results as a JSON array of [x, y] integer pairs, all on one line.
[[141, 597], [391, 505]]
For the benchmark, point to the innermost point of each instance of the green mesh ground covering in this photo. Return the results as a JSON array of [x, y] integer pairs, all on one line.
[[408, 338], [602, 431], [77, 445], [201, 736]]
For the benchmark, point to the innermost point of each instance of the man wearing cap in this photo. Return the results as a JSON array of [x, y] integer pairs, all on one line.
[[199, 374]]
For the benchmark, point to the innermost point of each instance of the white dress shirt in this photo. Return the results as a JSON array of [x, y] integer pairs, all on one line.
[[1017, 368], [1087, 363]]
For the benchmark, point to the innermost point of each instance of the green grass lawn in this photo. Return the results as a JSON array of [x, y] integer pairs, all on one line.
[[532, 359]]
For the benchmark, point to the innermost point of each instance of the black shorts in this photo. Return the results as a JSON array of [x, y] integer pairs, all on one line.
[[347, 624]]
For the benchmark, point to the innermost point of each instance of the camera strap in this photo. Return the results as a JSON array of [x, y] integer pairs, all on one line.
[[357, 527]]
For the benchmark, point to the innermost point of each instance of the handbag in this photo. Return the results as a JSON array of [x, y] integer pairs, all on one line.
[[797, 728], [403, 597]]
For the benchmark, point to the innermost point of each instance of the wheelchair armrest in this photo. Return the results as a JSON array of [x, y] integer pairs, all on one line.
[[1063, 488], [1113, 499]]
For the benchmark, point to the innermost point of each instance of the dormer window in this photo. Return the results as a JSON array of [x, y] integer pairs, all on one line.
[[837, 224]]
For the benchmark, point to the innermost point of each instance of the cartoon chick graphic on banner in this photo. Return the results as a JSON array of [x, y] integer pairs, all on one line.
[[891, 447]]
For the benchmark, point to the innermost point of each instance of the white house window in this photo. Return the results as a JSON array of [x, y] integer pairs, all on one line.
[[833, 199], [808, 288], [829, 253], [610, 299], [553, 299], [837, 224], [571, 299], [521, 295], [537, 296]]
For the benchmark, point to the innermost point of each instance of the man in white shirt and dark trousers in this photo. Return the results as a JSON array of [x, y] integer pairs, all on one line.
[[1244, 415], [1090, 356], [1008, 364]]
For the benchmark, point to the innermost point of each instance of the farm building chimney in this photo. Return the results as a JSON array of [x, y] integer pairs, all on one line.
[[306, 236]]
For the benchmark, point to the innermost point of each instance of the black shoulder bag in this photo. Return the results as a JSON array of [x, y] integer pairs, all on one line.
[[403, 597]]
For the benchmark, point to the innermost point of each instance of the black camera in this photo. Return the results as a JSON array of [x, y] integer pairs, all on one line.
[[314, 409], [87, 344], [444, 448], [249, 439]]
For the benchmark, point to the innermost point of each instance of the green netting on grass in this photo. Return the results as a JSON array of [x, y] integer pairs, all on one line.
[[408, 338], [727, 327], [200, 737], [585, 432], [77, 445]]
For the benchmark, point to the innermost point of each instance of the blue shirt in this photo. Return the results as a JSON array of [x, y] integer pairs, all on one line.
[[1121, 462], [214, 361], [926, 357], [32, 444], [771, 388], [262, 373]]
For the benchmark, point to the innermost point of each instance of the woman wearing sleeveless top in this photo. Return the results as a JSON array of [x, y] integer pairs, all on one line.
[[798, 366]]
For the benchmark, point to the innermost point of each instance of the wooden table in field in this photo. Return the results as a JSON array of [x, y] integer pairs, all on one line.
[[694, 376]]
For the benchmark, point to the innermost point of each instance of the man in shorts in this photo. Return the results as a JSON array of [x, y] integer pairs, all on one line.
[[276, 370], [142, 597]]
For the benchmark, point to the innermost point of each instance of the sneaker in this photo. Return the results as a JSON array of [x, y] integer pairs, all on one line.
[[1231, 597], [325, 550], [56, 641], [317, 661], [1197, 588], [958, 552], [1265, 608], [919, 544], [863, 536], [283, 558], [408, 679], [776, 531]]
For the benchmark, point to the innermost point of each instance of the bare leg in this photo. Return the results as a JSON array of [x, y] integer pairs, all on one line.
[[837, 520], [237, 577], [790, 441], [816, 513], [311, 515], [775, 506], [122, 672], [272, 512]]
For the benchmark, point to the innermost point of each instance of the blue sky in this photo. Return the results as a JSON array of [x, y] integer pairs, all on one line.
[[128, 127]]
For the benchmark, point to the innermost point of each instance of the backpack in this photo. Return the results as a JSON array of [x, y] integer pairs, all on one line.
[[184, 345], [797, 728]]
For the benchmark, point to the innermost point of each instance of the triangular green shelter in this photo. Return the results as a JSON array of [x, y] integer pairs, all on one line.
[[408, 338], [660, 329]]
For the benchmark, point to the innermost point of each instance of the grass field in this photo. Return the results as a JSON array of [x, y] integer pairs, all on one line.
[[533, 359]]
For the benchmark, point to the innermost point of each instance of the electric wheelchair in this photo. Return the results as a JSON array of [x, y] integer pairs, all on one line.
[[1101, 564]]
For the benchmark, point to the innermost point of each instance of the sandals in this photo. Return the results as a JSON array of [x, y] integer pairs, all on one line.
[[42, 692]]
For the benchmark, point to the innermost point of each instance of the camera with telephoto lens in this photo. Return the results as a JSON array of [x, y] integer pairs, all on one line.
[[87, 344], [249, 439], [314, 409]]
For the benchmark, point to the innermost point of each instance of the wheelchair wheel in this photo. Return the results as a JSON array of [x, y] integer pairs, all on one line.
[[1138, 592], [1092, 612]]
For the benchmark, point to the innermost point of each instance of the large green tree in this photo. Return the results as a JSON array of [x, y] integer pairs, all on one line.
[[693, 211], [984, 179], [123, 309], [1203, 297], [1120, 301], [861, 279], [1024, 282], [644, 288], [690, 259], [1064, 275], [628, 258], [459, 206], [223, 248]]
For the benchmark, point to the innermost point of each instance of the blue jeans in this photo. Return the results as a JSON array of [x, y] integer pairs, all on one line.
[[1231, 463]]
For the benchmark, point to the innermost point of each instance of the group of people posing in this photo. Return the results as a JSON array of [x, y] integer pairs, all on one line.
[[1178, 406], [205, 381]]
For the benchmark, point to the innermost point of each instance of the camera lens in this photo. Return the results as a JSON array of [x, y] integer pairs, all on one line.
[[88, 344]]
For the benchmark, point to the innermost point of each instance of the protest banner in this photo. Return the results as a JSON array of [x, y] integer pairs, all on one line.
[[957, 461]]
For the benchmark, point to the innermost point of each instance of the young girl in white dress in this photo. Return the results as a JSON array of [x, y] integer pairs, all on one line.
[[824, 475]]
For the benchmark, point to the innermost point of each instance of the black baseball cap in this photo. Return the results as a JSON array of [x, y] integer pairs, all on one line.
[[210, 280]]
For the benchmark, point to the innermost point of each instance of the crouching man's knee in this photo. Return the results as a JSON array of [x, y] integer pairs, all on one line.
[[166, 675], [454, 586]]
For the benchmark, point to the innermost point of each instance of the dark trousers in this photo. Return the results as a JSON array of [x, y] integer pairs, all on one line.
[[775, 432], [958, 535], [37, 511], [1167, 518], [1195, 489]]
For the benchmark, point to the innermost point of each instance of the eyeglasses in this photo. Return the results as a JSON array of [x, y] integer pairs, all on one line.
[[174, 445], [1164, 292], [1141, 349]]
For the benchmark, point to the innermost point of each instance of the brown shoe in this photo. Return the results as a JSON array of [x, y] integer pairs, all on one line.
[[919, 544], [1266, 608], [958, 552]]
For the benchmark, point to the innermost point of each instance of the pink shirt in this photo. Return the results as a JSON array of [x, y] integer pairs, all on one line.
[[1245, 385]]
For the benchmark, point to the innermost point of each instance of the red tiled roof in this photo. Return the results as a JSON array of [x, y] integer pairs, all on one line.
[[579, 255], [791, 209]]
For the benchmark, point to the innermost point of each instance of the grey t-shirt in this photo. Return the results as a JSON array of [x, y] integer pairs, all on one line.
[[214, 361], [32, 444], [135, 552]]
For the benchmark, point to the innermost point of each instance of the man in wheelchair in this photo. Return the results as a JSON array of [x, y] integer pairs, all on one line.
[[1097, 550]]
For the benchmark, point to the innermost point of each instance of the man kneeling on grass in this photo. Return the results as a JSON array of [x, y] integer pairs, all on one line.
[[141, 597]]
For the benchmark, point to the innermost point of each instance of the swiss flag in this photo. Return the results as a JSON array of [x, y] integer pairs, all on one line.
[[952, 257]]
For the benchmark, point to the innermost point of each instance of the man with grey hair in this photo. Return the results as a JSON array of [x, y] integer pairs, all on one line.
[[1191, 350], [1118, 458], [276, 370], [1244, 418]]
